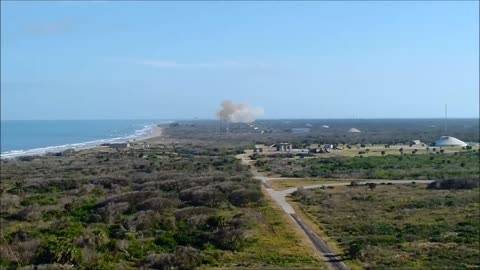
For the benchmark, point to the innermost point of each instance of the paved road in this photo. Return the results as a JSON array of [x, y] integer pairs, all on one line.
[[333, 260]]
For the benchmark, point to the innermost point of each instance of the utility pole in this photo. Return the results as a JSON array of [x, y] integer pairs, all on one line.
[[445, 122]]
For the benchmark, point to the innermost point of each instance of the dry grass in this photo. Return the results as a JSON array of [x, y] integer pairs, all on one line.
[[286, 183], [278, 241], [399, 226]]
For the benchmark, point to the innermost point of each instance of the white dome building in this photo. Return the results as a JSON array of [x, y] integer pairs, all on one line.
[[449, 141], [354, 130]]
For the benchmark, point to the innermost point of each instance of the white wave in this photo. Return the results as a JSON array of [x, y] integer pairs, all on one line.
[[140, 134]]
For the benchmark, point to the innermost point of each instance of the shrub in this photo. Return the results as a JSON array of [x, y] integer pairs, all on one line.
[[166, 240], [242, 197], [9, 203], [158, 204], [40, 200], [30, 213], [454, 184], [58, 250], [354, 249], [202, 196], [187, 258], [354, 183], [109, 211]]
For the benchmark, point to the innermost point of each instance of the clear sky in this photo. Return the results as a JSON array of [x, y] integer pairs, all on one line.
[[118, 60]]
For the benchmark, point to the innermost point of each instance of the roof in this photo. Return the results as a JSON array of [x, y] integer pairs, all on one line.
[[449, 141], [354, 130]]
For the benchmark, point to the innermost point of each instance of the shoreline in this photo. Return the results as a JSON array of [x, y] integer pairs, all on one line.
[[148, 132]]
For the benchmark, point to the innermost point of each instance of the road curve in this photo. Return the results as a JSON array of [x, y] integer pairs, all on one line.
[[333, 260]]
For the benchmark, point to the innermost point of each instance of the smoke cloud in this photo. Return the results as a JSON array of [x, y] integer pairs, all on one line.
[[238, 113]]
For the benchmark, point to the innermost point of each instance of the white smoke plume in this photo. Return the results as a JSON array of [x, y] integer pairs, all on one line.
[[238, 113]]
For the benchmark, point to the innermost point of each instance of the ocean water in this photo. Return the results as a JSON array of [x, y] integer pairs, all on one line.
[[33, 137]]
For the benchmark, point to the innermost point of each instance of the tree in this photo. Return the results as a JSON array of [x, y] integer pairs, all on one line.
[[354, 183], [242, 197], [354, 249], [383, 153]]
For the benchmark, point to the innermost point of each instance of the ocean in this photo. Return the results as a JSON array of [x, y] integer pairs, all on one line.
[[36, 137]]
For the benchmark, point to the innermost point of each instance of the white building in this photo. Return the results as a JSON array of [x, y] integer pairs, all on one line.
[[354, 130], [449, 141]]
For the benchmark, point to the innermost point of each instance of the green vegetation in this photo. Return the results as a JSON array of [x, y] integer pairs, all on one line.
[[178, 207], [187, 202], [282, 184], [431, 166], [374, 131], [399, 226]]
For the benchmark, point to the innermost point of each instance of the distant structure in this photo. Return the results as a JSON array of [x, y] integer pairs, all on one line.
[[328, 147], [415, 142], [354, 130], [259, 148], [300, 130], [117, 145], [284, 147], [326, 126], [314, 148], [449, 141]]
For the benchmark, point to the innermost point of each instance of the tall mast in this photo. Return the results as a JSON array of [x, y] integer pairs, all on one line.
[[445, 122]]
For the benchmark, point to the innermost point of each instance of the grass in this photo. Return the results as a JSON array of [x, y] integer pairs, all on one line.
[[399, 226], [431, 166], [102, 209], [334, 245], [286, 183], [275, 244]]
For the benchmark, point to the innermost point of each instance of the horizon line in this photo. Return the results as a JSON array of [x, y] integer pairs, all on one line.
[[213, 119]]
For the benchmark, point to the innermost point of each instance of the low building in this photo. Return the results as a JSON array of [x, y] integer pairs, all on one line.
[[118, 145], [414, 142], [259, 148], [283, 147]]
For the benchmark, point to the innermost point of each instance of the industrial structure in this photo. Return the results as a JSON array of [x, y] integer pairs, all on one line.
[[284, 147], [354, 130], [259, 148], [449, 141]]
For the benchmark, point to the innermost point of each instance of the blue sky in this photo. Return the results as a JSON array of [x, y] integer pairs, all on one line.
[[118, 60]]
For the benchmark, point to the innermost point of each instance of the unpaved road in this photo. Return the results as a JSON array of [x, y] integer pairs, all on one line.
[[333, 260]]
